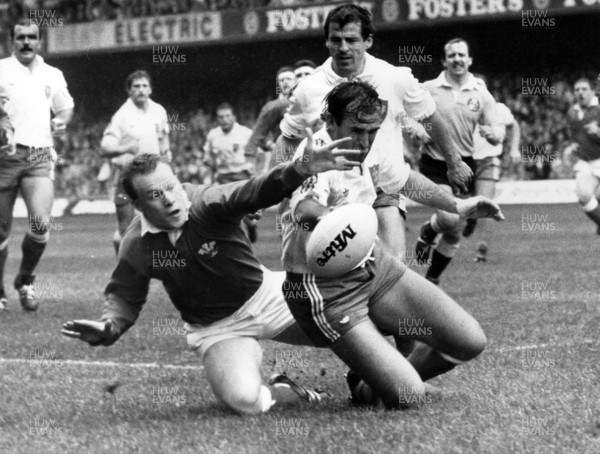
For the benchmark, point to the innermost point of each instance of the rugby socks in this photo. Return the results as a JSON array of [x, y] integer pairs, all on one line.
[[33, 247], [428, 233], [592, 209], [439, 263], [3, 257]]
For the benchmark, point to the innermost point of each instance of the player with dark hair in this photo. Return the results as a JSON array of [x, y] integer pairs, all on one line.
[[463, 102], [139, 126], [39, 107], [226, 298], [349, 32], [584, 121], [303, 68], [348, 314], [266, 129]]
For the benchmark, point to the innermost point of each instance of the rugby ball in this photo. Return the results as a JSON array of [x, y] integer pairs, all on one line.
[[341, 240]]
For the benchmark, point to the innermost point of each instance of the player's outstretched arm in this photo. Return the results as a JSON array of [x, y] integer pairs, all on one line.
[[239, 199], [421, 189], [459, 173], [100, 332]]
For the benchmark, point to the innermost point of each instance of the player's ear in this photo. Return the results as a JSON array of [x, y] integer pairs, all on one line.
[[369, 42]]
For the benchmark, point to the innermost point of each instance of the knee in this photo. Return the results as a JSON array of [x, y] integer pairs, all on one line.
[[474, 342], [245, 400], [448, 224], [39, 225]]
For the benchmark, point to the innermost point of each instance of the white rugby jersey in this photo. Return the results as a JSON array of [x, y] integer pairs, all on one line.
[[461, 110], [484, 149], [332, 189], [146, 126], [395, 85], [227, 149], [33, 94]]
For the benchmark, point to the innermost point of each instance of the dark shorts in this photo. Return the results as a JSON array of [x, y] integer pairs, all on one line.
[[26, 162], [436, 170], [488, 168], [326, 309]]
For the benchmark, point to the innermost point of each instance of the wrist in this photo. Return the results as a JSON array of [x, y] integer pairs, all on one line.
[[461, 206], [301, 167]]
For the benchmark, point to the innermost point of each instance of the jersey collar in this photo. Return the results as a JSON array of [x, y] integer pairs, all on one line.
[[470, 84], [367, 74]]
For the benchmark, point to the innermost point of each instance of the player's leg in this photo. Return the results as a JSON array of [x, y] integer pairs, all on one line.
[[38, 195], [233, 370], [448, 224], [418, 309], [7, 203], [486, 188], [586, 185], [380, 365]]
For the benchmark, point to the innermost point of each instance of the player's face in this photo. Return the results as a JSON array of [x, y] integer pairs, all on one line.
[[140, 91], [161, 198], [226, 119], [3, 97], [302, 72], [26, 43], [286, 81], [362, 135], [457, 60], [583, 93], [347, 48]]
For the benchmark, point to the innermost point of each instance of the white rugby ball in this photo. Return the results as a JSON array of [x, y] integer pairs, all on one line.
[[341, 240]]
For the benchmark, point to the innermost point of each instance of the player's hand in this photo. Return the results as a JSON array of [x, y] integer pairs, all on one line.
[[479, 207], [324, 158], [90, 331], [459, 177]]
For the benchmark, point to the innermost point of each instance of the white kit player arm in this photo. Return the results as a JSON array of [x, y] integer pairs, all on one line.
[[491, 128]]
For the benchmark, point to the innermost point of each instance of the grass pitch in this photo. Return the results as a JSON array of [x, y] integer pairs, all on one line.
[[535, 389]]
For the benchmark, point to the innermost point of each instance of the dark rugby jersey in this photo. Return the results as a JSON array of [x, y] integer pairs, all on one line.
[[211, 271], [589, 145]]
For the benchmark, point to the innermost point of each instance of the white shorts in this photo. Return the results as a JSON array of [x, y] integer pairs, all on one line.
[[264, 316], [588, 167]]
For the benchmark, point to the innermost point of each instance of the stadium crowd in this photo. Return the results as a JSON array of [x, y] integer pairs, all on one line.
[[542, 119]]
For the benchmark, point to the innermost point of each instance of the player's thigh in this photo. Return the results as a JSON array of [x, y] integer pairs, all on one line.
[[7, 203], [38, 195], [486, 188], [391, 230], [414, 302], [232, 367], [369, 354], [586, 185]]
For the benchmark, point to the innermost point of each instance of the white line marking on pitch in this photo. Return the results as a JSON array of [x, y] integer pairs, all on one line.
[[72, 362]]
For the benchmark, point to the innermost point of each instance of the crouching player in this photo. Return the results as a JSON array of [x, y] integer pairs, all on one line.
[[348, 314], [227, 299]]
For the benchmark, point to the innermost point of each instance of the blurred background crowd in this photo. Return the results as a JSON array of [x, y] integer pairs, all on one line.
[[544, 135]]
